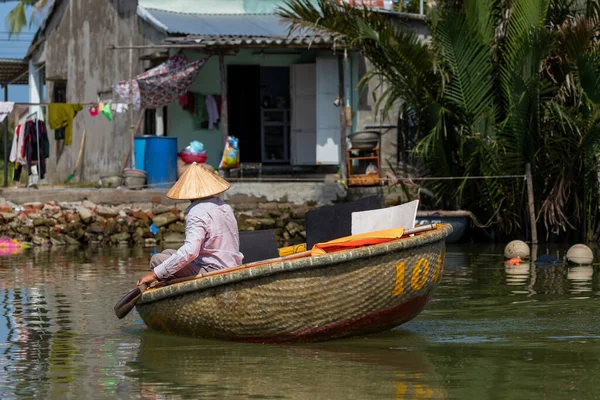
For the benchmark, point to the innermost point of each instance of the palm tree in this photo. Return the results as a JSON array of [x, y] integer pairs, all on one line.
[[17, 17], [501, 84]]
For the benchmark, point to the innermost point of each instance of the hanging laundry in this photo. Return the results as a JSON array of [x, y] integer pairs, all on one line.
[[160, 85], [106, 112], [201, 117], [6, 108], [36, 137], [19, 152], [60, 115], [113, 107], [93, 110], [213, 114], [183, 100], [14, 148], [21, 145], [190, 103], [17, 172], [120, 108]]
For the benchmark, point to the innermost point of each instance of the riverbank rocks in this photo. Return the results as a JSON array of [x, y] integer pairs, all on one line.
[[517, 248], [580, 254], [53, 224]]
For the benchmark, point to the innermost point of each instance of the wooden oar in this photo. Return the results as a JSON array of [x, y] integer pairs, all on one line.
[[126, 304]]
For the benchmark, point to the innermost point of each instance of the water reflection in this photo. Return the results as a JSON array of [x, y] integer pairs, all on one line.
[[350, 369], [581, 279], [517, 275], [492, 330]]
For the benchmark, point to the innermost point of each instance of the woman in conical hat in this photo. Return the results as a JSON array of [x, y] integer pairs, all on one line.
[[211, 234]]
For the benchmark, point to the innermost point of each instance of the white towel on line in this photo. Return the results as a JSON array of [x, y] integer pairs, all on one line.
[[6, 108]]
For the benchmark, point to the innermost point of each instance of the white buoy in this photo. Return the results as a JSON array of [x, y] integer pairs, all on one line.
[[517, 248], [580, 254]]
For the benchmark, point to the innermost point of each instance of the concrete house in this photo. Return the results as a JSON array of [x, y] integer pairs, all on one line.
[[280, 92]]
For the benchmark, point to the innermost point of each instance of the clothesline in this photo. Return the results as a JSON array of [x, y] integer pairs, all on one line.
[[93, 103]]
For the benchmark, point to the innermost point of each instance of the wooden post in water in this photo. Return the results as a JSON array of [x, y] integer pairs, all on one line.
[[531, 204], [341, 96]]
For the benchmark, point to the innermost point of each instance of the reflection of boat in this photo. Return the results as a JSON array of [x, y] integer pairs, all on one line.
[[352, 292], [385, 366], [459, 220]]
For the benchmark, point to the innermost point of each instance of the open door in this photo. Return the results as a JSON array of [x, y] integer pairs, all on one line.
[[303, 82]]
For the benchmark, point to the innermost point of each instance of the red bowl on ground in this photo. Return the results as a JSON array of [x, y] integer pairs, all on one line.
[[192, 158]]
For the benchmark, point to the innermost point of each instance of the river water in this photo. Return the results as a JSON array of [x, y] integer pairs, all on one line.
[[491, 331]]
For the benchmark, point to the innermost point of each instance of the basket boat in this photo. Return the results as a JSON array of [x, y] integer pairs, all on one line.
[[347, 293]]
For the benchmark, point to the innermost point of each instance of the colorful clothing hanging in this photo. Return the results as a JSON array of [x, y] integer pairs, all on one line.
[[36, 137], [161, 85], [161, 90]]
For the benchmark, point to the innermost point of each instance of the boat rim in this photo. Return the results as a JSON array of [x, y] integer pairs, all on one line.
[[275, 267]]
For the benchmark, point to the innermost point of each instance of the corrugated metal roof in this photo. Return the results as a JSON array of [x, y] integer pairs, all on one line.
[[175, 23], [228, 30], [10, 68]]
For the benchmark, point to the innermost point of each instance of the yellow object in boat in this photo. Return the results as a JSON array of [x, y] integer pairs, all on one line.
[[289, 250]]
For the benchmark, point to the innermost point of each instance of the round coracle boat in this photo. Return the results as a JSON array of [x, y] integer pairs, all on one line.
[[311, 298]]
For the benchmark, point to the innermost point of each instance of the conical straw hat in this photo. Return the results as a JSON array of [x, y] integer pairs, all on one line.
[[197, 182]]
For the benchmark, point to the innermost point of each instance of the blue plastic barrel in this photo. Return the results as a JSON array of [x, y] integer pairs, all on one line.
[[160, 161], [139, 145]]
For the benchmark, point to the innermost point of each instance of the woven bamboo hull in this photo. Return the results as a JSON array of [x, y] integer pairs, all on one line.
[[356, 292]]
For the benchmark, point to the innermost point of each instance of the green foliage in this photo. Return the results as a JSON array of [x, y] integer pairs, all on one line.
[[501, 84], [17, 18]]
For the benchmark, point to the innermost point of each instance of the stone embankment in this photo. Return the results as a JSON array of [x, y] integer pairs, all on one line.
[[142, 224]]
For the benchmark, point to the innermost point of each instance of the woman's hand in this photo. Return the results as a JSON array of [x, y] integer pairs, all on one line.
[[147, 278]]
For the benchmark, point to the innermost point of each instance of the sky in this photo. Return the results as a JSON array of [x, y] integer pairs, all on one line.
[[16, 47]]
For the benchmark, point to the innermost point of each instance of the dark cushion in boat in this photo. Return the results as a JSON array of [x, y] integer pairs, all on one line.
[[258, 245], [333, 222]]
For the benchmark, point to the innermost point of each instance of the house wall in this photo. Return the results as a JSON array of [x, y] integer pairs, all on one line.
[[77, 37]]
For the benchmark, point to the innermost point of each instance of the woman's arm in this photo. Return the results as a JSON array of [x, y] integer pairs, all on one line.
[[195, 233]]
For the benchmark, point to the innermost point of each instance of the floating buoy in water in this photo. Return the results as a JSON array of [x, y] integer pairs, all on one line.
[[517, 248], [580, 254]]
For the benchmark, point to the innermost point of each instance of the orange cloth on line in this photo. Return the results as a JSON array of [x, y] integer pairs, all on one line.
[[354, 241]]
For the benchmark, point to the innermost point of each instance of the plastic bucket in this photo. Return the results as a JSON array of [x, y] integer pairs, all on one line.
[[134, 178]]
